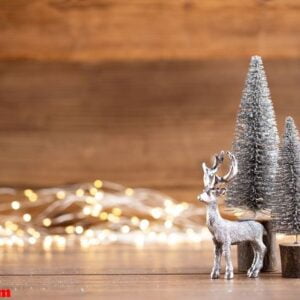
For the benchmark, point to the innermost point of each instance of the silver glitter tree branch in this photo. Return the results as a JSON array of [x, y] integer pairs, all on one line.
[[256, 143], [286, 198]]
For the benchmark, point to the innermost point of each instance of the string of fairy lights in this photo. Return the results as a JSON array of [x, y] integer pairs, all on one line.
[[95, 213]]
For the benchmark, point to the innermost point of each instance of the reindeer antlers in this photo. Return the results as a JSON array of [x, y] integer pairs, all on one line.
[[211, 179], [232, 171]]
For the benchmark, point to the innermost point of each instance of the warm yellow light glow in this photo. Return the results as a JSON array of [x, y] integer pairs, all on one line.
[[89, 233], [168, 203], [93, 191], [80, 192], [33, 197], [98, 184], [33, 232], [112, 218], [20, 232], [15, 205], [47, 222], [72, 209], [156, 212], [168, 224], [139, 240], [90, 200], [87, 210], [125, 229], [79, 229], [27, 217], [70, 229], [99, 195], [152, 235], [32, 240], [135, 221], [117, 211], [103, 216], [60, 241], [144, 224], [190, 231], [60, 195], [47, 242], [129, 192], [11, 226], [84, 243], [96, 210], [185, 205], [28, 192]]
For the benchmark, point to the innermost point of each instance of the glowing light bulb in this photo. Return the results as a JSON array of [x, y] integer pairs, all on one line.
[[125, 229], [47, 222], [168, 202], [135, 221], [168, 224], [112, 218], [80, 192], [117, 211], [70, 229], [33, 197], [15, 205], [93, 191], [129, 192], [28, 192], [27, 217], [87, 210], [60, 195], [32, 240], [98, 184], [103, 216], [89, 233], [139, 240], [144, 224], [90, 200], [156, 213], [79, 229]]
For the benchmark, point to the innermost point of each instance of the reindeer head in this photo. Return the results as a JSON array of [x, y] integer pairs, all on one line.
[[211, 179]]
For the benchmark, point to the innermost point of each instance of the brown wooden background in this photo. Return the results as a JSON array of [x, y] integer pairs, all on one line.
[[138, 92]]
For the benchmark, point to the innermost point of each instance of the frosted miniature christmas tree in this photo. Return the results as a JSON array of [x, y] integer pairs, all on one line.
[[255, 144], [286, 199]]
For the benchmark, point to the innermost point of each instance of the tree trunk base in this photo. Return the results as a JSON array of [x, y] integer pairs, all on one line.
[[245, 252], [290, 260]]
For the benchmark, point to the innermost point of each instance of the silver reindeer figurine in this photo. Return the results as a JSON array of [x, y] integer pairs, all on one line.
[[226, 233]]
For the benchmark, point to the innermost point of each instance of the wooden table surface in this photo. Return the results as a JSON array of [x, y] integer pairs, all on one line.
[[127, 272]]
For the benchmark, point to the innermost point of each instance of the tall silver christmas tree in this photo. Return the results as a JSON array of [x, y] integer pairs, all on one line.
[[256, 143], [286, 199]]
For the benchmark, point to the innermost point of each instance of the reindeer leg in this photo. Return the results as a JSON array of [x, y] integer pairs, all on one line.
[[261, 250], [229, 267], [255, 259], [215, 273]]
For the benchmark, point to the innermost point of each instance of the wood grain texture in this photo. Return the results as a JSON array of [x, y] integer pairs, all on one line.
[[120, 271], [166, 287], [245, 252], [140, 124], [108, 260], [97, 30], [290, 258]]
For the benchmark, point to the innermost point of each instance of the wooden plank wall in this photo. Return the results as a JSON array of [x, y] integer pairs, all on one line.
[[135, 92], [89, 30]]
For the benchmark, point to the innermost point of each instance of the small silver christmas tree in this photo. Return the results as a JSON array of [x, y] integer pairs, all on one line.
[[256, 143], [286, 199]]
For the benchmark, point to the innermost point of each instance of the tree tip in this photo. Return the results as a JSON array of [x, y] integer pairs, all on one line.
[[255, 59], [289, 120], [290, 123]]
